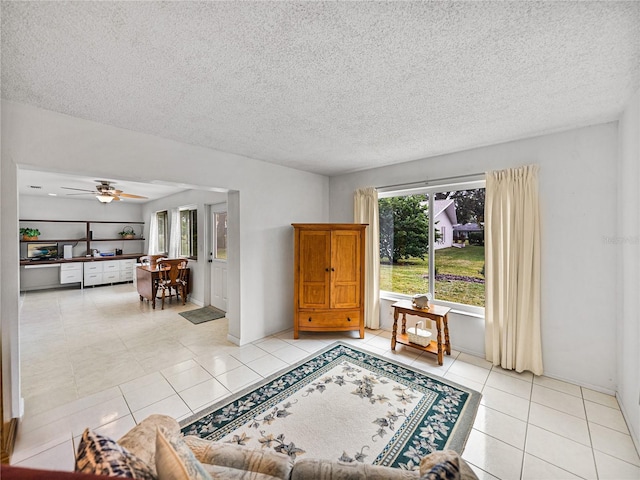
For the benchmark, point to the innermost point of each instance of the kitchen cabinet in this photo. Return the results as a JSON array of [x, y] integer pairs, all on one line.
[[108, 271], [329, 277]]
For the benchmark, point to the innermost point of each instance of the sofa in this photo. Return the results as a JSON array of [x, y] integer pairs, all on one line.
[[155, 449]]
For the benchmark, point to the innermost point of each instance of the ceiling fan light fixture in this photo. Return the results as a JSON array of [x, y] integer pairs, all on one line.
[[104, 198]]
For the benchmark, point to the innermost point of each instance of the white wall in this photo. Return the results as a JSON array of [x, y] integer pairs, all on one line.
[[267, 199], [199, 198], [578, 186], [9, 287], [627, 245]]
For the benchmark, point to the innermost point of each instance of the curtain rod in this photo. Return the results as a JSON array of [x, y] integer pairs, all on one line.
[[429, 181]]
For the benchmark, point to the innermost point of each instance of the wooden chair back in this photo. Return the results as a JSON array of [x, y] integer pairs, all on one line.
[[174, 274], [151, 260]]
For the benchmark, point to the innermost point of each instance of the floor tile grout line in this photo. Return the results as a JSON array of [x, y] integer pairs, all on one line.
[[526, 432], [557, 466], [482, 469]]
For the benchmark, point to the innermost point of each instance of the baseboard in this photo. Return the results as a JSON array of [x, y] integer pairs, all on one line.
[[232, 339], [9, 432], [632, 431]]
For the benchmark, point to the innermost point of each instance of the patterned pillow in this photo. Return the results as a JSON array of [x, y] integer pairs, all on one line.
[[441, 465], [102, 456], [447, 470], [175, 460]]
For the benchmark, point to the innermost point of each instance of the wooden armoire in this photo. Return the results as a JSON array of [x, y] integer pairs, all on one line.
[[329, 277]]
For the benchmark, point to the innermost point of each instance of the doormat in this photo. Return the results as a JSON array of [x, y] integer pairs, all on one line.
[[201, 315], [348, 405]]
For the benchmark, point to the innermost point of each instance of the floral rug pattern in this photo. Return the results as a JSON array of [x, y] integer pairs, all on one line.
[[348, 405]]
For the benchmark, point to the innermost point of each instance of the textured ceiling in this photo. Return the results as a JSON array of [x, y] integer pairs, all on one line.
[[327, 87]]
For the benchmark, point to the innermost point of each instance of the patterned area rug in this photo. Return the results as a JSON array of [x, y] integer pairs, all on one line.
[[201, 315], [345, 404]]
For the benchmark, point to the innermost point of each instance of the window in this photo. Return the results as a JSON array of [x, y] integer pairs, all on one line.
[[162, 221], [221, 235], [189, 233], [452, 220]]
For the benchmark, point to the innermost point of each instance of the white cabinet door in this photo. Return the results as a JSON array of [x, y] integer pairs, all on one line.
[[111, 277], [92, 273], [126, 269], [93, 267], [126, 276], [71, 272], [111, 266], [127, 264], [92, 279]]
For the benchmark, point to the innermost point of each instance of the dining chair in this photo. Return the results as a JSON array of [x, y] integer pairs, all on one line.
[[172, 274]]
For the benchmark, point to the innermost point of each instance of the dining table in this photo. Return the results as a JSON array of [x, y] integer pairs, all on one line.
[[147, 282]]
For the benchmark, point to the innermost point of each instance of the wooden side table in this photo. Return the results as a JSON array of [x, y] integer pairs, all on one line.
[[436, 313]]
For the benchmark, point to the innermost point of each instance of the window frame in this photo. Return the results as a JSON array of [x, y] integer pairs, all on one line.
[[191, 233], [165, 233], [431, 190]]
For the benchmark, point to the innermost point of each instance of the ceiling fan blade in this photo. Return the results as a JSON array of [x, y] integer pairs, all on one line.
[[128, 195], [116, 198], [78, 189]]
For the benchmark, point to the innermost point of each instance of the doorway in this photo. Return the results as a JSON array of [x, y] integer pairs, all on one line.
[[218, 256]]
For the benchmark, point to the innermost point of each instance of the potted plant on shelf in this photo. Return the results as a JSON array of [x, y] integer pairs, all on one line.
[[127, 233], [29, 233]]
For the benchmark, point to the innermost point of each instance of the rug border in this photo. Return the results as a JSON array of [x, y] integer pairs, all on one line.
[[457, 439]]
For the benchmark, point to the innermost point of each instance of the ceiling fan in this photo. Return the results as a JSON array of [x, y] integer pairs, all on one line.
[[104, 192]]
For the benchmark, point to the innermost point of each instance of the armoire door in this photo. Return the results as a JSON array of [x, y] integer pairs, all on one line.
[[345, 269], [315, 266]]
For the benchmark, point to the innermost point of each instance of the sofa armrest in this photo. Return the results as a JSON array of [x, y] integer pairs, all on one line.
[[319, 469], [263, 463], [141, 439]]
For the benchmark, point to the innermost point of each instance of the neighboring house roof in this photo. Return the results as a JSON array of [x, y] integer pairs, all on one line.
[[467, 227], [447, 207]]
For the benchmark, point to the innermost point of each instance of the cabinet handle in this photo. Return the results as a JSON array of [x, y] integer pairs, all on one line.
[[333, 269], [309, 318], [326, 269], [348, 319]]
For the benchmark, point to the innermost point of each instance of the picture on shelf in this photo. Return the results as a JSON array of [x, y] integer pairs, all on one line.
[[44, 251]]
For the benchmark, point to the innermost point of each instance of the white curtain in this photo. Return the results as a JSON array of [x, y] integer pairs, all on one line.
[[366, 211], [153, 235], [512, 239], [174, 236]]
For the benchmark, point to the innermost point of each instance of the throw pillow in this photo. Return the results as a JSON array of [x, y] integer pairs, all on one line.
[[101, 455], [175, 460], [448, 470]]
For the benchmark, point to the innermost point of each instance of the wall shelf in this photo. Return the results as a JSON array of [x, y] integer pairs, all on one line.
[[87, 227]]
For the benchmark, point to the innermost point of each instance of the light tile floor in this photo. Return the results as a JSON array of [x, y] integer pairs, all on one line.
[[100, 358]]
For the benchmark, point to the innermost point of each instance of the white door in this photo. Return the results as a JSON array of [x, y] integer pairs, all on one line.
[[218, 257]]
